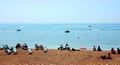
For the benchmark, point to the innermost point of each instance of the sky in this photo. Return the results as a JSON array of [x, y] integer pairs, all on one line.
[[59, 11]]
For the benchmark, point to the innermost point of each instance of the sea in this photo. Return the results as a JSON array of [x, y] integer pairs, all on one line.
[[52, 35]]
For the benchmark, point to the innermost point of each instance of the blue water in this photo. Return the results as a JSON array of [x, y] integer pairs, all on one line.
[[52, 35]]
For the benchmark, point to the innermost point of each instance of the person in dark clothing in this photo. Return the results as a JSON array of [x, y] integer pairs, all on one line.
[[99, 49], [109, 56], [105, 57], [25, 47], [67, 47], [74, 49], [18, 45], [61, 47], [118, 50], [36, 47], [8, 51], [5, 47]]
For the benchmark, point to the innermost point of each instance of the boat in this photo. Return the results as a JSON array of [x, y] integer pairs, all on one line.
[[18, 30], [67, 31]]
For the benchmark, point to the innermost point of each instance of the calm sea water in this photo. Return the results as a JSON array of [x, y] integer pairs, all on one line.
[[52, 35]]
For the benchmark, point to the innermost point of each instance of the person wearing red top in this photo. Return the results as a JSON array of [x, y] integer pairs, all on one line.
[[41, 47], [113, 51]]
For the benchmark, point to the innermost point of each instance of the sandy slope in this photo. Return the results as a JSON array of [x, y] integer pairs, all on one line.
[[57, 57]]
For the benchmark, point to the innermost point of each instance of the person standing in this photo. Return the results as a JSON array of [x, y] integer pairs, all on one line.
[[94, 48]]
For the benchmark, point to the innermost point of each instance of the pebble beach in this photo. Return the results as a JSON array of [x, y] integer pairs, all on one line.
[[58, 57]]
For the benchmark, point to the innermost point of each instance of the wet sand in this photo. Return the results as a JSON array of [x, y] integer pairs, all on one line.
[[57, 57]]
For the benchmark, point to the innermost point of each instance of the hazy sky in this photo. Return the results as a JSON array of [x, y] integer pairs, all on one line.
[[59, 11]]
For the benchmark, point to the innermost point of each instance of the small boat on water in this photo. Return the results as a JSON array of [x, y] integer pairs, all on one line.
[[89, 26], [67, 31], [18, 30]]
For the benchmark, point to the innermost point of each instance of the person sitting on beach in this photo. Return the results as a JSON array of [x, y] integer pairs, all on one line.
[[11, 48], [36, 47], [61, 47], [109, 56], [25, 47], [18, 45], [8, 51], [29, 51], [5, 47], [14, 50], [118, 51], [41, 47], [67, 47], [94, 48], [99, 49], [73, 49], [113, 51], [105, 57], [45, 49]]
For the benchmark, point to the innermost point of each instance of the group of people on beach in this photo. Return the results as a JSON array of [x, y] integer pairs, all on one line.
[[41, 47], [10, 49], [104, 57], [108, 56], [67, 47], [112, 51], [98, 49], [13, 50]]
